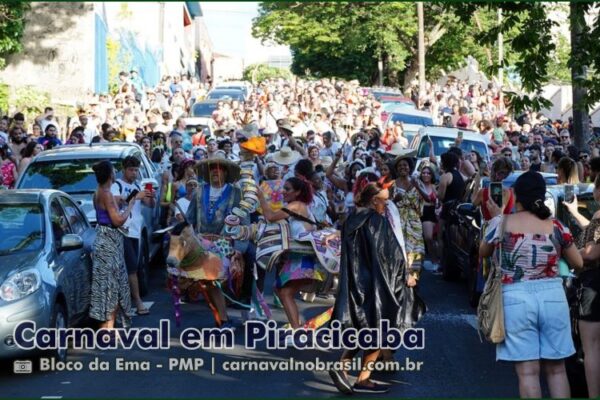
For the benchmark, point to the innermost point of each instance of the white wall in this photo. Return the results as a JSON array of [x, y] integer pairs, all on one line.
[[58, 51], [225, 68]]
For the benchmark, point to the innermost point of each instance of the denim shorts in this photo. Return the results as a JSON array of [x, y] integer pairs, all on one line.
[[536, 321]]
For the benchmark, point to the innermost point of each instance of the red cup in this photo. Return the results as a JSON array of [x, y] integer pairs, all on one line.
[[148, 187]]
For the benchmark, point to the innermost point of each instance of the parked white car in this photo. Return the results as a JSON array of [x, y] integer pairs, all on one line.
[[445, 138]]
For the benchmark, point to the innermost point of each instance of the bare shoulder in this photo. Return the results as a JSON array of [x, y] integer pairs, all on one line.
[[524, 222], [298, 207]]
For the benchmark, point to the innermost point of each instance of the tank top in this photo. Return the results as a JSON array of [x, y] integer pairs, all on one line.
[[456, 188], [102, 217], [486, 196]]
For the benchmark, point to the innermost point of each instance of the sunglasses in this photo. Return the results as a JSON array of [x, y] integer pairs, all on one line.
[[507, 154], [565, 137]]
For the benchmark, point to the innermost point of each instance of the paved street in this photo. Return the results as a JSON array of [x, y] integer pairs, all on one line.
[[455, 363]]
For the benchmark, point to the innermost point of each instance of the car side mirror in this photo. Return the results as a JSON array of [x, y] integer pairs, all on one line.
[[70, 242]]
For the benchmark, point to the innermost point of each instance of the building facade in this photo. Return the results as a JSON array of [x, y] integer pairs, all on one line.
[[72, 50]]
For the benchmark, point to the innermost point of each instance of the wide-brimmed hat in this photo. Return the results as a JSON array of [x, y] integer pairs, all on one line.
[[228, 128], [255, 144], [286, 156], [398, 151], [233, 170], [284, 124], [249, 130]]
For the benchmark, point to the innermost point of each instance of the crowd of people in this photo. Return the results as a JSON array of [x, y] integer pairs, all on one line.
[[328, 159]]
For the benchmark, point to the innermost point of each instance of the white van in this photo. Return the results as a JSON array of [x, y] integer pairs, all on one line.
[[445, 138]]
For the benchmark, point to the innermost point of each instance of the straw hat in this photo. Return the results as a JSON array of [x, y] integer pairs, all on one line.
[[286, 156], [249, 131], [284, 124], [233, 170]]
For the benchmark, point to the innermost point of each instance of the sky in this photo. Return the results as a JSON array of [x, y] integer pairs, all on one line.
[[229, 25]]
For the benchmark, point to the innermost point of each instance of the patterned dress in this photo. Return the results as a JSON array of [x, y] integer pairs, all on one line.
[[410, 207], [110, 285]]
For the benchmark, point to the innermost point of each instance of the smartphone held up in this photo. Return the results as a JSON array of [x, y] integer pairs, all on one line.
[[496, 193]]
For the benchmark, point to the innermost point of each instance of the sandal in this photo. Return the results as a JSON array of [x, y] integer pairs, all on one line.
[[142, 311]]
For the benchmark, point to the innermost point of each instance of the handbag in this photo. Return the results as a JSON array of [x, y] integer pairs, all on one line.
[[490, 311]]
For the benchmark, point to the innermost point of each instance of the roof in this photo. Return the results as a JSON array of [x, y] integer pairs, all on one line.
[[451, 133], [24, 196], [402, 109], [96, 150]]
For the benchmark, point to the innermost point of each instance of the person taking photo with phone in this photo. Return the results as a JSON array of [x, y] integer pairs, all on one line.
[[110, 295], [122, 190]]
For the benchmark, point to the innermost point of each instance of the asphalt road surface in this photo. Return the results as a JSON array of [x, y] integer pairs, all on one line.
[[454, 363]]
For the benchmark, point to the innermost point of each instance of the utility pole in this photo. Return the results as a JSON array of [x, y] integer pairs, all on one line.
[[380, 69], [581, 123], [421, 50], [500, 62]]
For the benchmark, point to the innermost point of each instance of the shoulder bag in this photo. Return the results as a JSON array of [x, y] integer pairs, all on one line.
[[490, 311]]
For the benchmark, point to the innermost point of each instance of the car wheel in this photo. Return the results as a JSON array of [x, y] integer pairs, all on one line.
[[59, 321], [143, 269]]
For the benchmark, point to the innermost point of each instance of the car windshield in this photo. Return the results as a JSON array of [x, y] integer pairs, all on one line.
[[411, 119], [443, 144], [203, 109], [22, 228], [379, 95], [222, 94], [70, 176]]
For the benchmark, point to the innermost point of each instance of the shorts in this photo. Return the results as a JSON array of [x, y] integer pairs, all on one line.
[[536, 321], [130, 245], [429, 214], [588, 296]]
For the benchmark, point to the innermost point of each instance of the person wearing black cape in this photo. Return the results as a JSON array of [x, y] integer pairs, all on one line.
[[375, 284]]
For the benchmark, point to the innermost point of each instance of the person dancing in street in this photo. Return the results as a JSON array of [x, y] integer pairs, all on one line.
[[375, 283]]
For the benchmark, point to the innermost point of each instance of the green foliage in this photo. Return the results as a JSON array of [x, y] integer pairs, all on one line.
[[340, 39], [559, 70], [347, 40], [538, 58], [30, 101], [257, 73], [12, 25], [4, 92], [118, 60]]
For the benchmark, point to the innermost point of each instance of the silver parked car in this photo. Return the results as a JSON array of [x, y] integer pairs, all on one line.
[[45, 263], [69, 169]]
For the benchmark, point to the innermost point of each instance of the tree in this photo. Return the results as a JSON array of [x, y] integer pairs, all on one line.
[[325, 39], [257, 73], [348, 39], [12, 25], [535, 50]]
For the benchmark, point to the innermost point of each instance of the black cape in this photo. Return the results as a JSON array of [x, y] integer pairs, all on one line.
[[373, 275]]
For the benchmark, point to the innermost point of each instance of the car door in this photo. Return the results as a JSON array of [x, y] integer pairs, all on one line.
[[63, 261], [81, 270]]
